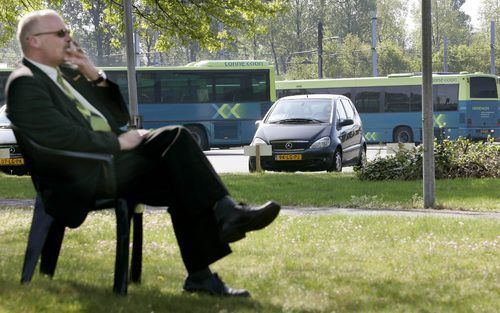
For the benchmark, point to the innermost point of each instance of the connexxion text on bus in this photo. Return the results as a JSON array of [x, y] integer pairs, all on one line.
[[465, 104], [218, 101]]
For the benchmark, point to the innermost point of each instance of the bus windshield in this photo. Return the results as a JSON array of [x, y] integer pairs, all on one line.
[[483, 87]]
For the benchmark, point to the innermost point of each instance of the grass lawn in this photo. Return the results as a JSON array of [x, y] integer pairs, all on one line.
[[334, 263], [331, 190]]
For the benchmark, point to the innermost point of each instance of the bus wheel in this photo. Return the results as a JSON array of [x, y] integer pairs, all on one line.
[[199, 135], [403, 134], [336, 165]]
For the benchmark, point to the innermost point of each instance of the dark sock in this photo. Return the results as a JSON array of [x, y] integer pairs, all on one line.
[[223, 202], [200, 275]]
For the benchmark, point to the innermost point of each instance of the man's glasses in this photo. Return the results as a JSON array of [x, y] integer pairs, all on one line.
[[59, 33]]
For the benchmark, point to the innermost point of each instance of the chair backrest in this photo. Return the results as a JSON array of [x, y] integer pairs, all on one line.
[[52, 163], [68, 180]]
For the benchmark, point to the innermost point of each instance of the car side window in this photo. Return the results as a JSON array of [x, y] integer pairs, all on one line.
[[341, 115], [348, 109]]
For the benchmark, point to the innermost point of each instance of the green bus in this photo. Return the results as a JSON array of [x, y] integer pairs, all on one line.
[[465, 104], [218, 101]]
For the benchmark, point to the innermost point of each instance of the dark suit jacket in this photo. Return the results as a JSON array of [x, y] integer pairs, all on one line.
[[40, 110]]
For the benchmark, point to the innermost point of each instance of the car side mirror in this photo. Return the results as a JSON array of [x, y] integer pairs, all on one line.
[[345, 122], [257, 123]]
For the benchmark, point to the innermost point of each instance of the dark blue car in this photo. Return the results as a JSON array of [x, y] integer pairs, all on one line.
[[311, 133]]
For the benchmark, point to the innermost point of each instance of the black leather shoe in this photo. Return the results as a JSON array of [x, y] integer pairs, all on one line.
[[213, 286], [236, 219]]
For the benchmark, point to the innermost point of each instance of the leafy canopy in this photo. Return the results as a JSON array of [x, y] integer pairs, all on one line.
[[208, 22]]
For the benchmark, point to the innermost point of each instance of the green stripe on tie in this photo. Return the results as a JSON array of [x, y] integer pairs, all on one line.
[[96, 121]]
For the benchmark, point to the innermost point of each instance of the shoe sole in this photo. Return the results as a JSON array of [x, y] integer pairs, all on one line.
[[238, 231]]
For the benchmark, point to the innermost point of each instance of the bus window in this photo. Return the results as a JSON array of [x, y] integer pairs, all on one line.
[[416, 99], [340, 91], [397, 99], [3, 80], [236, 87], [185, 87], [483, 87], [146, 87], [260, 88], [120, 78], [292, 92], [367, 100], [445, 97]]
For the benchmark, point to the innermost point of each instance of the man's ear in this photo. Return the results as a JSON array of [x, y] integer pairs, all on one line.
[[33, 41]]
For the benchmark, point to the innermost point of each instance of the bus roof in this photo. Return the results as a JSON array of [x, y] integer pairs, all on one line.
[[229, 63], [390, 80], [205, 65]]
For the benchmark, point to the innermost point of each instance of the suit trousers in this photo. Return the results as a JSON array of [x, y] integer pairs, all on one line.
[[169, 169]]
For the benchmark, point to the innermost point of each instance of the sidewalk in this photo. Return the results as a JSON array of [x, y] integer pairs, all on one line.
[[291, 210]]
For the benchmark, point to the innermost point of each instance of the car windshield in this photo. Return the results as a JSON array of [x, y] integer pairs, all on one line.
[[3, 116], [301, 111]]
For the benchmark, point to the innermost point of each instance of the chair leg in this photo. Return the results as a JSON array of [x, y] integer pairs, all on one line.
[[136, 263], [122, 242], [39, 229], [51, 249]]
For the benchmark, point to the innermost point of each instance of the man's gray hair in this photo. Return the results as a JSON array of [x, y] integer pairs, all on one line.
[[28, 24]]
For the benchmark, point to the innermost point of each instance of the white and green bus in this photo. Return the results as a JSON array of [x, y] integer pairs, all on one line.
[[218, 101], [465, 104]]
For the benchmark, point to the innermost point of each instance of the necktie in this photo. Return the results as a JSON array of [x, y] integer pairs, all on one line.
[[96, 121]]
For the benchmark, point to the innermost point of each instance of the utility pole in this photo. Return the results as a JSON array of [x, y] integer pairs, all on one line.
[[445, 57], [429, 179], [493, 66], [320, 49], [320, 39], [135, 119], [374, 44]]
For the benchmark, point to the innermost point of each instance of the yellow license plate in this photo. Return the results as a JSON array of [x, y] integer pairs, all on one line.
[[288, 157], [15, 161]]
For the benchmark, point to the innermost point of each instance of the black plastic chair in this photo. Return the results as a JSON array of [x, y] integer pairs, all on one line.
[[46, 233]]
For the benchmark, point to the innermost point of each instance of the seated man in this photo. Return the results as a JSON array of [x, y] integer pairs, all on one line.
[[59, 99]]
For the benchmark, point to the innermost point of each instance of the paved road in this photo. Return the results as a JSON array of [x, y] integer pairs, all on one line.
[[233, 160], [290, 210]]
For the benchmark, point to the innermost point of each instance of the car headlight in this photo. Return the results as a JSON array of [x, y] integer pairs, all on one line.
[[258, 141], [321, 143]]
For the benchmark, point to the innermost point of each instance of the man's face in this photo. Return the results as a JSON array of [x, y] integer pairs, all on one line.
[[52, 38]]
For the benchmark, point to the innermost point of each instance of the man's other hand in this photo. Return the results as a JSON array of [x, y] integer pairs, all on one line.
[[132, 138]]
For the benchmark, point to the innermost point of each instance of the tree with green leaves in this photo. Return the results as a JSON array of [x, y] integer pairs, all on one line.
[[391, 18], [447, 21], [172, 21]]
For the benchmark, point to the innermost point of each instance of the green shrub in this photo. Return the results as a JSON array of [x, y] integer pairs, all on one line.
[[460, 158]]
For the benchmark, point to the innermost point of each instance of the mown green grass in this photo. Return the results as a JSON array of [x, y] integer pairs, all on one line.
[[335, 263], [332, 190]]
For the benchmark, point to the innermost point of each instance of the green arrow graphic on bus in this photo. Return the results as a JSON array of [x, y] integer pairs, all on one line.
[[440, 120], [372, 136], [234, 110], [226, 111]]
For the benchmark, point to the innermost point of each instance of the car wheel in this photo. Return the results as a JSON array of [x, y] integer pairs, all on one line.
[[199, 135], [403, 134], [336, 165], [362, 157]]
